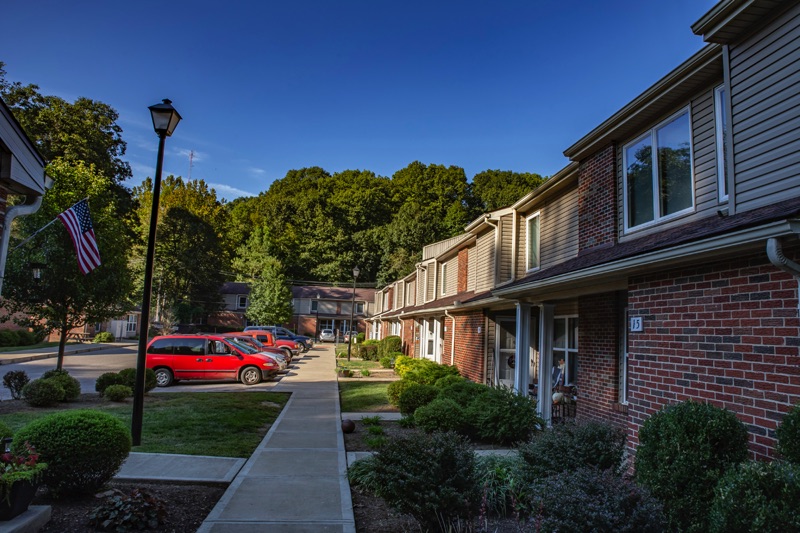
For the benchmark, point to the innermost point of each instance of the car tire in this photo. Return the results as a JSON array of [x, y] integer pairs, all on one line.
[[164, 377], [288, 353], [250, 375]]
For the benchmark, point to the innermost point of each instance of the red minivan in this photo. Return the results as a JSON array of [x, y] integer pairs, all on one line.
[[205, 357]]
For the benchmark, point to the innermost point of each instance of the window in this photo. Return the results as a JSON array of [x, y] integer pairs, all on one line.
[[532, 247], [314, 305], [444, 279], [658, 187], [359, 308], [242, 302], [565, 350], [131, 324], [721, 113]]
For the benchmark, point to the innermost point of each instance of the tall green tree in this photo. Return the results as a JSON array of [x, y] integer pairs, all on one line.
[[64, 298], [270, 296], [494, 189]]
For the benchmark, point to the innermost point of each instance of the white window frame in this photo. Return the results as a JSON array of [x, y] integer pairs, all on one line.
[[239, 301], [359, 308], [569, 351], [651, 133], [314, 305], [538, 265], [130, 323], [444, 279], [720, 119]]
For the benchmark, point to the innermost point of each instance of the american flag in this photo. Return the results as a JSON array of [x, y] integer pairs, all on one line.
[[79, 225]]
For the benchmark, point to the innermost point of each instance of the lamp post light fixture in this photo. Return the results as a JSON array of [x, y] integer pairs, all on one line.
[[352, 312], [165, 119], [316, 322], [36, 270]]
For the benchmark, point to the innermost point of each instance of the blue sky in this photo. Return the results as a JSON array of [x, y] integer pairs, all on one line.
[[265, 87]]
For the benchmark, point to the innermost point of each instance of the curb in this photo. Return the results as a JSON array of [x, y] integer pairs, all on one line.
[[10, 358]]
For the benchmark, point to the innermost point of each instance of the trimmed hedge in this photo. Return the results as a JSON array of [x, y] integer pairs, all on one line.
[[103, 336], [788, 434], [501, 415], [42, 393], [442, 414], [415, 396], [71, 386], [118, 393]]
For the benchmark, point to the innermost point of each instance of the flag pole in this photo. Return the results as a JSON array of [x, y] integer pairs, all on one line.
[[35, 233]]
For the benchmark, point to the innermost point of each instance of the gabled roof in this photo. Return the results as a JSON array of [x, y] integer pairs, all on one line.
[[332, 293], [730, 19]]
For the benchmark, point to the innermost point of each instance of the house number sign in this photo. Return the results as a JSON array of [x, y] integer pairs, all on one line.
[[636, 323]]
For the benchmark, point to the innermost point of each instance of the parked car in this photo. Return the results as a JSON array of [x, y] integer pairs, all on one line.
[[258, 346], [205, 357], [347, 336], [282, 333], [245, 346], [327, 335], [291, 348]]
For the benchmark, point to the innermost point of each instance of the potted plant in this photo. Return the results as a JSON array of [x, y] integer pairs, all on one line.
[[20, 475], [344, 372]]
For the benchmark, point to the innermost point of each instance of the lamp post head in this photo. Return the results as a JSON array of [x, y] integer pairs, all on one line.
[[356, 272], [165, 117], [36, 270]]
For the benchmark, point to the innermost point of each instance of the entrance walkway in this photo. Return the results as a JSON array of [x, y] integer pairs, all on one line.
[[296, 480]]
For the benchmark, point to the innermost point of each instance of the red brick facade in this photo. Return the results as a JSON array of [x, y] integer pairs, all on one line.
[[726, 333], [409, 331], [597, 204], [463, 269], [469, 345]]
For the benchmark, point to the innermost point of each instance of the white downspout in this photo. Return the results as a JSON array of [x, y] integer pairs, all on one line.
[[28, 208], [776, 257]]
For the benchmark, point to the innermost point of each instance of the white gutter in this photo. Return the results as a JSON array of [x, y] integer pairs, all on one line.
[[31, 205]]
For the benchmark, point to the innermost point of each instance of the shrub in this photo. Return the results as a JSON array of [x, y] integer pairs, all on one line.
[[360, 337], [103, 336], [788, 434], [9, 337], [106, 380], [83, 449], [757, 496], [26, 338], [15, 381], [390, 344], [118, 393], [449, 379], [71, 386], [386, 362], [128, 376], [594, 500], [371, 342], [395, 389], [121, 512], [684, 450], [42, 393], [567, 447], [362, 474], [368, 352], [415, 397], [371, 420], [462, 392], [501, 415], [5, 431], [429, 372], [442, 414], [402, 364], [432, 477], [365, 372], [502, 484]]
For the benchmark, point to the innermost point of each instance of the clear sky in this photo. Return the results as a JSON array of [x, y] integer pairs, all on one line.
[[266, 87]]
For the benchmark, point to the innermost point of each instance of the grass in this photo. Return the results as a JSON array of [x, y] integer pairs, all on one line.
[[364, 396], [358, 364], [194, 423]]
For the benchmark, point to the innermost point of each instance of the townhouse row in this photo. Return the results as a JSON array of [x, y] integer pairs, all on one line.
[[660, 265]]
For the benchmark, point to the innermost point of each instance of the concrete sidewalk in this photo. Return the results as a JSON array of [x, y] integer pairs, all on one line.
[[34, 354]]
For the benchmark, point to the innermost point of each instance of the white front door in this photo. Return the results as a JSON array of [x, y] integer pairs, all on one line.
[[506, 352], [432, 343]]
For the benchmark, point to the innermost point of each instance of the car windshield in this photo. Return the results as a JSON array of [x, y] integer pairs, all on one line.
[[242, 346]]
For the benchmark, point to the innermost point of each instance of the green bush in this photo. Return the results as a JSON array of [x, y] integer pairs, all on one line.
[[390, 344], [137, 511], [118, 393], [432, 477], [9, 337], [450, 379], [368, 352], [442, 414], [386, 362], [415, 397], [83, 449], [103, 336], [128, 376], [26, 338], [15, 381], [71, 386], [106, 380], [360, 337], [502, 416], [362, 474], [5, 431], [463, 392], [684, 450], [429, 372], [593, 500], [42, 393], [567, 447], [504, 491], [757, 497], [788, 434], [371, 342], [395, 389], [402, 364]]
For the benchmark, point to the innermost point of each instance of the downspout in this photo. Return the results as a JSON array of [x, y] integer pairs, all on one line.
[[452, 337], [776, 257], [31, 205]]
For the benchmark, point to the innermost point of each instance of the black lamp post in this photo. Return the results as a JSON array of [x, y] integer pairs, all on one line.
[[316, 322], [352, 311], [165, 119]]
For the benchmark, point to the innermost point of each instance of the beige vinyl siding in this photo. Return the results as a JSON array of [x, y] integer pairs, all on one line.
[[704, 166], [432, 250], [522, 238], [765, 113], [559, 229], [422, 275], [484, 261], [430, 282], [451, 285], [506, 247], [471, 268], [400, 295], [412, 293]]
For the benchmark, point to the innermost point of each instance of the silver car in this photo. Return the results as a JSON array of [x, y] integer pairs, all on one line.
[[326, 335]]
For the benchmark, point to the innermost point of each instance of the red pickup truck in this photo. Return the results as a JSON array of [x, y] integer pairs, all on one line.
[[290, 348]]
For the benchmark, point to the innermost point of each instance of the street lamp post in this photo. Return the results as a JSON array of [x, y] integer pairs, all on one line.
[[352, 311], [165, 119], [316, 322]]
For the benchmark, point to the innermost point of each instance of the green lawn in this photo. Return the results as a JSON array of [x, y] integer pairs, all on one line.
[[223, 424], [358, 364], [364, 396]]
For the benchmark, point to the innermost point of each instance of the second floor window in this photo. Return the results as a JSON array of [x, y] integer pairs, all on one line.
[[314, 306], [359, 308], [242, 302], [657, 172], [532, 247], [722, 156]]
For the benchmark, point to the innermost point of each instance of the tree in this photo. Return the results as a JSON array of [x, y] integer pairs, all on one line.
[[270, 296], [64, 298], [494, 189]]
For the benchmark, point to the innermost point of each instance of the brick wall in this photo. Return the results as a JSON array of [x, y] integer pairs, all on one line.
[[390, 304], [408, 337], [598, 358], [726, 333], [597, 200], [463, 270], [469, 354]]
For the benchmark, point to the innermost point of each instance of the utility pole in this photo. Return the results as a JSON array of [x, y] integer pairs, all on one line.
[[191, 164]]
